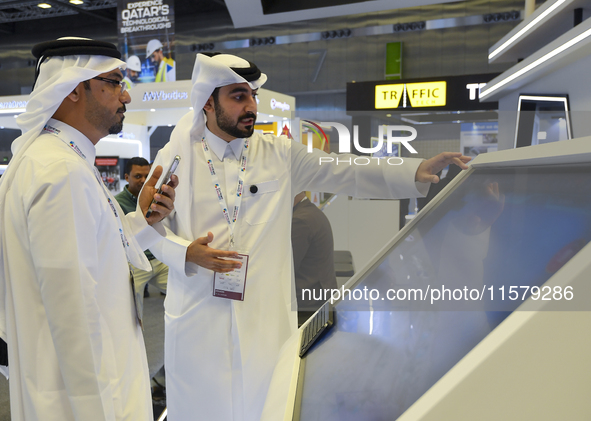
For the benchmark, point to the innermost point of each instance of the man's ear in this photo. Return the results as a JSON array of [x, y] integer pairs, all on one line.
[[75, 95], [209, 105], [127, 177]]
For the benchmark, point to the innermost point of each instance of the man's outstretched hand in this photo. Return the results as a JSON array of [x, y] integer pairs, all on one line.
[[201, 254], [165, 201], [426, 173]]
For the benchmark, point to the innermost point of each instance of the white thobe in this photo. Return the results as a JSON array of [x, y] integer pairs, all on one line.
[[76, 349], [220, 353]]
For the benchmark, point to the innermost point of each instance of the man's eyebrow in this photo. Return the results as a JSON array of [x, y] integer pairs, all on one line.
[[238, 89], [116, 75]]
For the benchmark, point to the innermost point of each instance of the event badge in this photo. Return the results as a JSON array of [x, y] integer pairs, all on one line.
[[231, 285]]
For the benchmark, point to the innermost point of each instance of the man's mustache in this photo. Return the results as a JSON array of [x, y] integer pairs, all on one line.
[[248, 115]]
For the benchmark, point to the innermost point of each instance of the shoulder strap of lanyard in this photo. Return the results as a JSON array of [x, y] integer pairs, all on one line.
[[231, 220]]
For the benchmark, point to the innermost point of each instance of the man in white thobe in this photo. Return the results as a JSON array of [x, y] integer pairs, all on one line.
[[75, 344], [220, 352]]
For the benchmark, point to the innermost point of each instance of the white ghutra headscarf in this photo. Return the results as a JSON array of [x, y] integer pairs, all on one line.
[[211, 71]]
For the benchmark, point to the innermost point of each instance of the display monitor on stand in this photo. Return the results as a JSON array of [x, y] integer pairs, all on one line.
[[542, 119]]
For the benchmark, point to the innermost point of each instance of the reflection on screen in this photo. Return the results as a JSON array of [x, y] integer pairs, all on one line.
[[499, 227]]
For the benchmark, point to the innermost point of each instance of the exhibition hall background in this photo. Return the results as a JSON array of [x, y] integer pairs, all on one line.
[[314, 72]]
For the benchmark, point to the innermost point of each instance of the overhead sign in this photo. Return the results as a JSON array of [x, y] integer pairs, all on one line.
[[165, 96], [11, 105], [451, 93], [425, 94], [278, 104], [389, 96]]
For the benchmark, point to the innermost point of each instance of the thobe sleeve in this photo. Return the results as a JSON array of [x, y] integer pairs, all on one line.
[[364, 178], [172, 250], [63, 213], [146, 235]]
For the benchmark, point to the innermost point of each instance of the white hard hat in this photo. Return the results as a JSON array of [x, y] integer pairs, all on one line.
[[134, 63], [152, 46]]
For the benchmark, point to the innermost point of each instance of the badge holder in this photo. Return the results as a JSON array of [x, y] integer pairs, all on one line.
[[231, 285]]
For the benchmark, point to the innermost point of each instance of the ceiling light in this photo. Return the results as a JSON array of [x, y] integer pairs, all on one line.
[[526, 28], [271, 115], [153, 110], [489, 89], [44, 5], [76, 2]]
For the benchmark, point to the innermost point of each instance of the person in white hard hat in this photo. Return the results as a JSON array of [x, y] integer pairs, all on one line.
[[166, 66], [134, 68], [75, 343]]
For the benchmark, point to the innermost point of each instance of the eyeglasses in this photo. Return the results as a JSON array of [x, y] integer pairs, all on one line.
[[114, 82]]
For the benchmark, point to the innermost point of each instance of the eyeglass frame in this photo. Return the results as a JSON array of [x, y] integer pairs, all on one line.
[[121, 83]]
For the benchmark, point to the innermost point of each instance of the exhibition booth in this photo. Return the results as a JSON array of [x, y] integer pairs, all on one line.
[[479, 308], [154, 105], [466, 313]]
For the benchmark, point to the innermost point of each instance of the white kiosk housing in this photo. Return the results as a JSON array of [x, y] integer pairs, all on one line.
[[512, 235]]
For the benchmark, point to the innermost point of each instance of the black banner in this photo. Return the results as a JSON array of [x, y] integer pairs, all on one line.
[[461, 94]]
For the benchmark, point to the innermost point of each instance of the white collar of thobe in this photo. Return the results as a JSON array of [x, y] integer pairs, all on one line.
[[70, 134], [219, 145]]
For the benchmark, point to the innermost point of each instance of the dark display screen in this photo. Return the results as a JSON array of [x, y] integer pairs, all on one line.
[[498, 229]]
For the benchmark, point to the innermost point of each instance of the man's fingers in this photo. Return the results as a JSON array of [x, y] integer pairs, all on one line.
[[174, 182], [227, 264], [461, 163], [205, 240], [449, 155], [155, 176], [223, 253], [167, 191], [163, 207]]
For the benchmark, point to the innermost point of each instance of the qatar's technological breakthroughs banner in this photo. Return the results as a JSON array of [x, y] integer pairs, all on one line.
[[146, 40]]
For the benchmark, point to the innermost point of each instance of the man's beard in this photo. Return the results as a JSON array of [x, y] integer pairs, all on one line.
[[226, 124], [98, 115], [117, 127]]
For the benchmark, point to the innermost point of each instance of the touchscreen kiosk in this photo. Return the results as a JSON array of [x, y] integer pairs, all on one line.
[[510, 234]]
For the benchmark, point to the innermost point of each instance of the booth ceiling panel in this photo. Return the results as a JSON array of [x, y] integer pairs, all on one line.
[[247, 13], [15, 11], [559, 21]]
